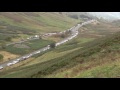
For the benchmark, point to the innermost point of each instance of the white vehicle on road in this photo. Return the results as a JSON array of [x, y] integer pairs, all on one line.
[[44, 49], [38, 52], [14, 62], [27, 56], [1, 67], [24, 58], [30, 55], [18, 59], [9, 64]]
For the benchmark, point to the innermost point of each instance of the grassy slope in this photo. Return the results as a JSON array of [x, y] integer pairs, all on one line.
[[33, 45], [100, 61], [19, 25], [60, 51], [39, 21], [82, 62], [50, 56]]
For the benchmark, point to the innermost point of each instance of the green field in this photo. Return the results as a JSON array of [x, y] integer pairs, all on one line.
[[33, 45]]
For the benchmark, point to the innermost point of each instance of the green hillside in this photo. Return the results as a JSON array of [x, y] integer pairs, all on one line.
[[91, 54], [37, 21], [17, 25]]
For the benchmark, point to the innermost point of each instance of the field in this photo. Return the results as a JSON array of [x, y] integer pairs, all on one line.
[[7, 56], [27, 47]]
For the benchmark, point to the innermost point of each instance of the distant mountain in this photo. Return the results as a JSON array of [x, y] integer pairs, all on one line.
[[100, 15], [80, 15], [106, 15]]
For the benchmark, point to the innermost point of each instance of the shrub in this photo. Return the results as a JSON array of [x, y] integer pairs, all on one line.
[[74, 16], [8, 39], [1, 57], [52, 45], [63, 36]]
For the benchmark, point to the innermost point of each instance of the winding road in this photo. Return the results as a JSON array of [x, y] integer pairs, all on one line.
[[74, 33]]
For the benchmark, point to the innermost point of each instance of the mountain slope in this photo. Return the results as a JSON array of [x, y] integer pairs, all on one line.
[[78, 63], [40, 21], [77, 58], [102, 60], [106, 15], [17, 25]]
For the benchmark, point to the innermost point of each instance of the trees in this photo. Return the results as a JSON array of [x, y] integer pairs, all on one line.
[[3, 47], [62, 35], [52, 45]]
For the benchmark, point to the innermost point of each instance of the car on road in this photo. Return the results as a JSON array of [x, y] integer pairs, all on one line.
[[44, 49], [27, 56], [24, 57], [14, 62], [18, 59], [1, 67], [49, 45], [38, 52], [30, 55], [9, 64]]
